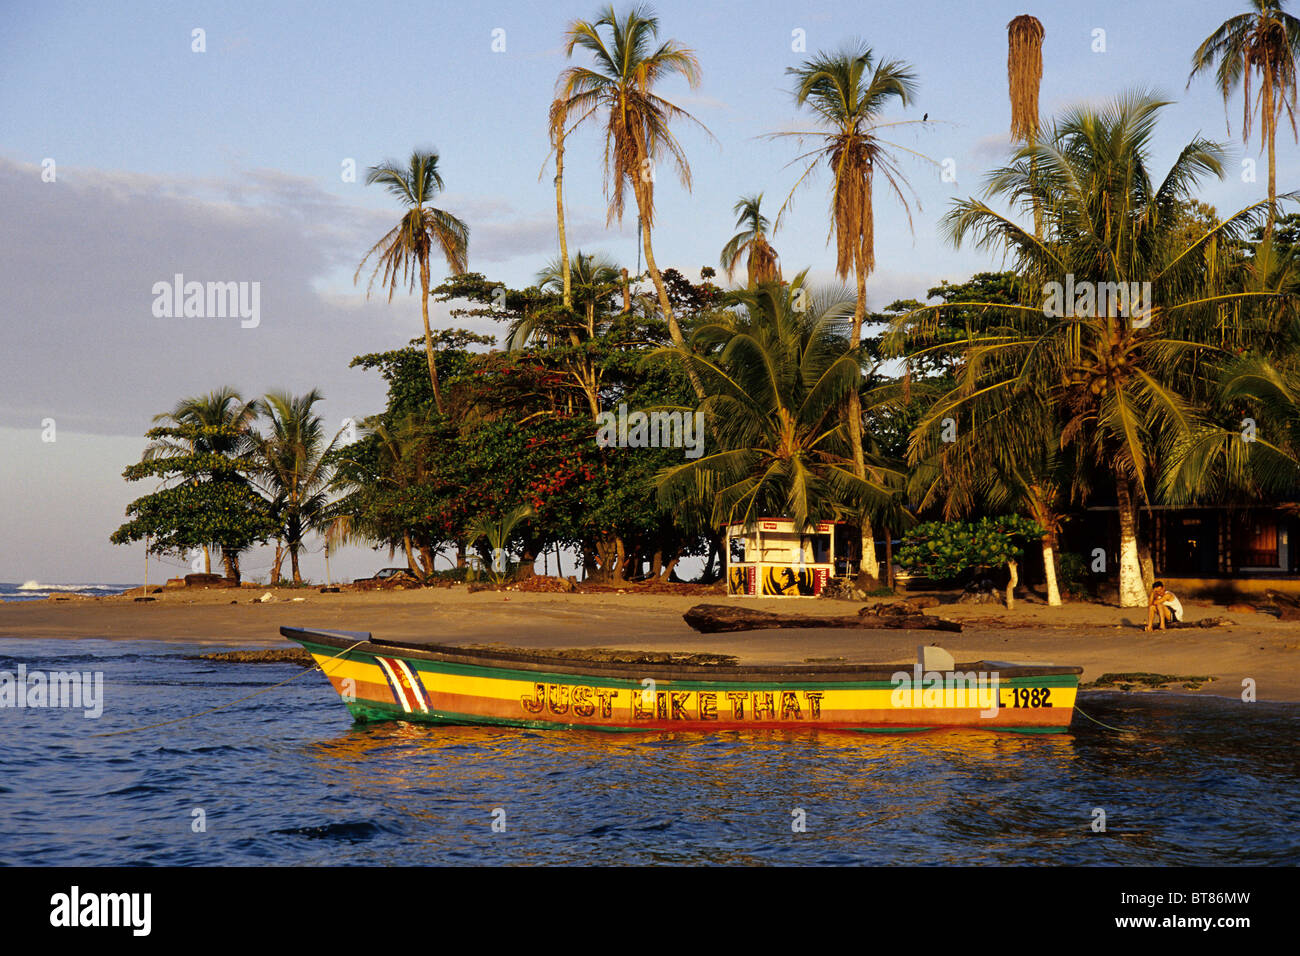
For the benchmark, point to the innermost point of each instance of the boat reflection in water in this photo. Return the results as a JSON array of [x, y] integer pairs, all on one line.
[[733, 797], [1192, 780]]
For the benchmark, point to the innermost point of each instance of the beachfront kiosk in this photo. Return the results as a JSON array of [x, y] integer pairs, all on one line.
[[773, 560]]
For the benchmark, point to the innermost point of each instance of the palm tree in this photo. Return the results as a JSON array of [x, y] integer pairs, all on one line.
[[848, 91], [297, 468], [620, 87], [404, 251], [225, 421], [1262, 43], [777, 375], [752, 242], [498, 532], [1214, 463], [1127, 383], [592, 280]]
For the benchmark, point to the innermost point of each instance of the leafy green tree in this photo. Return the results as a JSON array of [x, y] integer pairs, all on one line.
[[221, 407], [209, 500], [950, 550]]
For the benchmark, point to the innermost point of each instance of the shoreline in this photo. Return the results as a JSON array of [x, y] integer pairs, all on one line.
[[1102, 639]]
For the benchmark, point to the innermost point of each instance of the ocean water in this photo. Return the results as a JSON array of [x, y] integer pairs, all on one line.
[[286, 777], [36, 591]]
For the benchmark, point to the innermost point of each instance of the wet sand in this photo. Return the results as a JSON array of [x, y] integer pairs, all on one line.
[[1102, 639]]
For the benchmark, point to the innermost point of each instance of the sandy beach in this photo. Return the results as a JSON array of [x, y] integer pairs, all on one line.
[[1102, 639]]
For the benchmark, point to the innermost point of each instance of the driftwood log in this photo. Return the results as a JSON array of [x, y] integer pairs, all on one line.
[[715, 618], [1288, 608]]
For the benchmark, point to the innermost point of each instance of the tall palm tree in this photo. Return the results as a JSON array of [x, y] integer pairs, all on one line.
[[751, 242], [847, 91], [777, 374], [619, 87], [1260, 44], [1128, 383], [403, 253], [229, 420], [297, 468]]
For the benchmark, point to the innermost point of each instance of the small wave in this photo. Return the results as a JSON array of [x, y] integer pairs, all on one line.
[[37, 586], [351, 832]]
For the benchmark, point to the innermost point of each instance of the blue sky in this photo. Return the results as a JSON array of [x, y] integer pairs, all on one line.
[[225, 165]]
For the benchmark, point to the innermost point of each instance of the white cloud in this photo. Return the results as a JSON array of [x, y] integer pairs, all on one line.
[[80, 256]]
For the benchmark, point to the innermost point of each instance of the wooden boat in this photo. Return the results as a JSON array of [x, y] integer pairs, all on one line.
[[441, 684]]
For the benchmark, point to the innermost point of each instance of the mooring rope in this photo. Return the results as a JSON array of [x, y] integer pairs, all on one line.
[[212, 710], [1118, 730]]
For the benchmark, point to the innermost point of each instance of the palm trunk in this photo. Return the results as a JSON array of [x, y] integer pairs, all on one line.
[[231, 560], [674, 329], [1270, 127], [1144, 560], [1131, 591], [559, 216], [293, 563], [279, 561], [1049, 570], [428, 335], [889, 558], [1038, 210], [869, 564], [706, 576], [1014, 568], [207, 560]]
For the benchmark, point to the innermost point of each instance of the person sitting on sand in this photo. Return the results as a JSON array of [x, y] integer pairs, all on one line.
[[1164, 602]]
